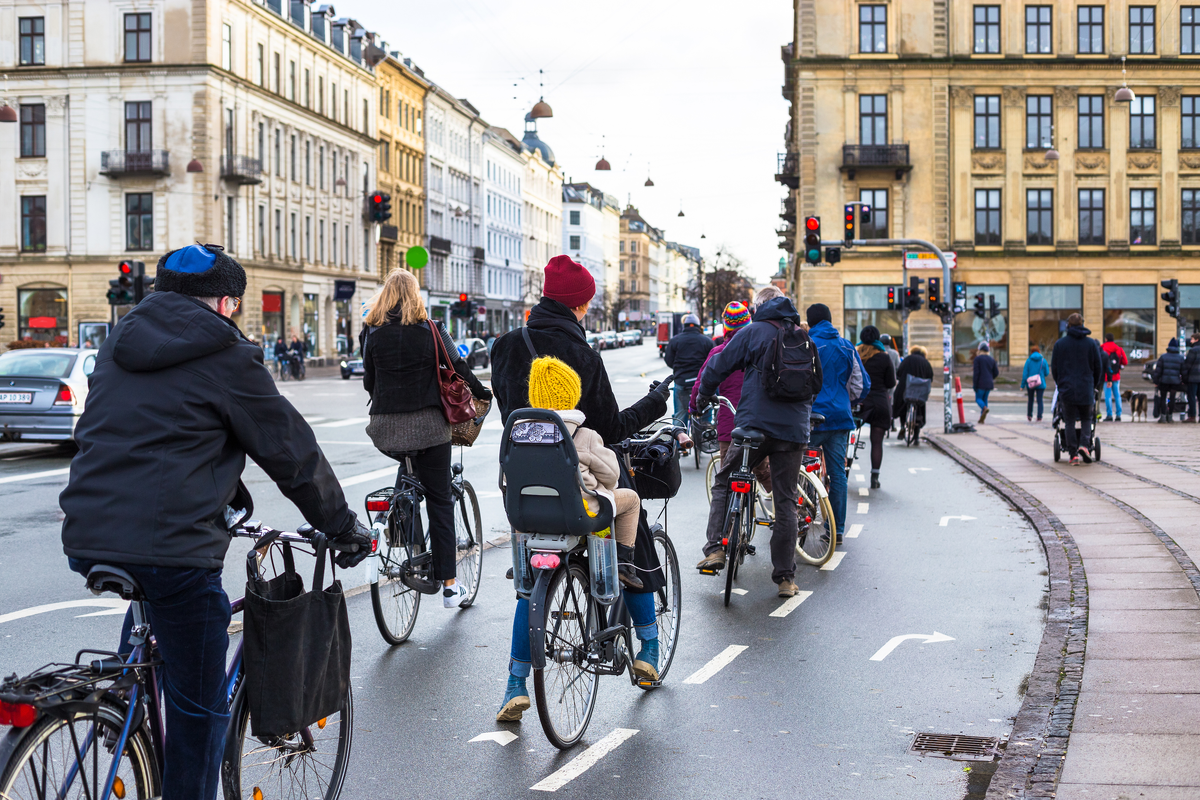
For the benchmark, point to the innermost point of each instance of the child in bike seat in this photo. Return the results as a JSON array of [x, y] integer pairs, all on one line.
[[555, 386]]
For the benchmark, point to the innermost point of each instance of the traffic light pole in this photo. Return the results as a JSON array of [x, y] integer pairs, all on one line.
[[947, 316]]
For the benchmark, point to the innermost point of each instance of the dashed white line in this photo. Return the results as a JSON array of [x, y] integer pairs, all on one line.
[[119, 605], [342, 423], [790, 604], [863, 492], [833, 562], [735, 591], [719, 662], [856, 466], [353, 480], [854, 531], [862, 507], [583, 762], [860, 478], [30, 476]]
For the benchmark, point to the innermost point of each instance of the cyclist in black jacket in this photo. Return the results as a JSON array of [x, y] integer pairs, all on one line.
[[685, 355]]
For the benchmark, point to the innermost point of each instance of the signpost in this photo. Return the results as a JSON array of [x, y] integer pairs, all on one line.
[[922, 260]]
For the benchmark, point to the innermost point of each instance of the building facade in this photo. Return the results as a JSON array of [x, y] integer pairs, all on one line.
[[245, 124], [946, 117], [638, 243], [591, 236], [541, 197], [400, 157], [682, 269], [504, 279]]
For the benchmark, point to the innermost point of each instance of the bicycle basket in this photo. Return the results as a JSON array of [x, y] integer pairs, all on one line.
[[916, 390], [656, 474], [465, 433], [704, 435]]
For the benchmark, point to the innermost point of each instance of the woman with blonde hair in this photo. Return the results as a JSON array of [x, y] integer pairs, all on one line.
[[400, 348]]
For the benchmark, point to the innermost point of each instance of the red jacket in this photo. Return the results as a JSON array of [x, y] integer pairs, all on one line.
[[1114, 349]]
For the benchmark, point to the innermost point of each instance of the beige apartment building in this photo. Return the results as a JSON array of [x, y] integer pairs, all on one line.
[[401, 157], [995, 130], [638, 240]]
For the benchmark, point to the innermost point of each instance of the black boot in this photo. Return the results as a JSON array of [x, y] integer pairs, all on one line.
[[874, 480], [625, 570]]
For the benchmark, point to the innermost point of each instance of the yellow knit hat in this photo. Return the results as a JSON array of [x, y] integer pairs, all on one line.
[[553, 385]]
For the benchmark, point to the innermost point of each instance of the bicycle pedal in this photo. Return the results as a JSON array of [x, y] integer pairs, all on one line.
[[750, 550], [608, 634], [710, 572], [646, 683]]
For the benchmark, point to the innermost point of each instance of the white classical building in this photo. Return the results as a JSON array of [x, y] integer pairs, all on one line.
[[541, 192], [246, 124], [504, 170], [682, 266], [592, 235]]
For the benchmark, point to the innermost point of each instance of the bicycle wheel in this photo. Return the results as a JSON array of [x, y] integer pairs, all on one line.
[[710, 472], [817, 538], [733, 532], [910, 426], [286, 767], [666, 602], [56, 758], [468, 537], [394, 603], [566, 688]]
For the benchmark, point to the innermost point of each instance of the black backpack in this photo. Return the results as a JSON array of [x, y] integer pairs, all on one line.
[[1112, 363], [791, 370]]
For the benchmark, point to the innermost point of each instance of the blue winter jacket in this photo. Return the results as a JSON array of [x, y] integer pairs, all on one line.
[[1035, 365], [845, 381]]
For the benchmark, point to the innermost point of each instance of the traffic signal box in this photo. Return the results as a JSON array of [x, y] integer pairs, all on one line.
[[913, 299], [462, 308], [850, 218], [381, 206], [935, 294], [812, 240], [131, 284], [980, 308], [1171, 297], [891, 294]]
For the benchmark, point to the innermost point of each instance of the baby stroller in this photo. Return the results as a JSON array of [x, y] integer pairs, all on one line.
[[1060, 431]]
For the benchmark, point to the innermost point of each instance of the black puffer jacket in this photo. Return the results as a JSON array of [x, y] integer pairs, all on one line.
[[1168, 370], [1191, 365], [1076, 368], [554, 331], [178, 399], [686, 353]]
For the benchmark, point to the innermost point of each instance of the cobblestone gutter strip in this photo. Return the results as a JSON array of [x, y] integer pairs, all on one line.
[[1032, 761], [1152, 458]]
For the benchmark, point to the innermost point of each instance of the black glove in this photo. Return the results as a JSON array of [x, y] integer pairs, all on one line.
[[354, 545], [487, 394], [662, 389], [703, 401]]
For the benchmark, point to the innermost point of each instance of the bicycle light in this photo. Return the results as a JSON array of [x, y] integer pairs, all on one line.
[[18, 715], [741, 487], [378, 505], [544, 561]]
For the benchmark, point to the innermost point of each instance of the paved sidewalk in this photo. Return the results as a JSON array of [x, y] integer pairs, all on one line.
[[1133, 521]]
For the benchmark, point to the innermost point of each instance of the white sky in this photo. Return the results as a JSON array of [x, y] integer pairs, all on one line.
[[688, 90]]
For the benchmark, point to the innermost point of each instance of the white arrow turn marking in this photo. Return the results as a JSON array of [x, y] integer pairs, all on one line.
[[946, 520], [895, 642], [915, 470], [584, 761], [501, 738], [115, 607]]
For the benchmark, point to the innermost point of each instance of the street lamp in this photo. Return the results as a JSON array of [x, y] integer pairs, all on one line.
[[8, 114], [1124, 94]]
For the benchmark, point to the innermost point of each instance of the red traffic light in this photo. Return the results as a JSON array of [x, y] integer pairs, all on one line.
[[812, 223], [377, 198], [462, 298], [126, 268]]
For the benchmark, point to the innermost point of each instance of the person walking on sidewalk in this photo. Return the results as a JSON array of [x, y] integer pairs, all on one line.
[[983, 378], [1033, 381], [1075, 366], [1113, 358], [876, 410], [1191, 375], [1168, 377], [685, 355]]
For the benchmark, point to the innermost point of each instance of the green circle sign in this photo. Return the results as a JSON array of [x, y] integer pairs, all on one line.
[[416, 257]]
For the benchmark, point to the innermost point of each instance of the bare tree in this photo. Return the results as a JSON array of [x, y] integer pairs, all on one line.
[[725, 282]]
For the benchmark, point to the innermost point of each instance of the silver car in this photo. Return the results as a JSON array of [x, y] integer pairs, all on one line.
[[42, 392]]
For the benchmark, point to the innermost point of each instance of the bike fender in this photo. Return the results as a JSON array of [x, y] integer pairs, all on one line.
[[818, 485], [380, 533], [537, 618]]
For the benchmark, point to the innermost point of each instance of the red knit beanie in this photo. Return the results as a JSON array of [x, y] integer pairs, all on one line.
[[568, 282]]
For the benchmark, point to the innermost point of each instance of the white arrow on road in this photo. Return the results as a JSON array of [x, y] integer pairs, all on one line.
[[895, 642], [113, 606], [501, 738], [915, 470], [946, 520]]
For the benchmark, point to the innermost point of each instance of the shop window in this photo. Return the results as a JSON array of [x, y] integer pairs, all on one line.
[[1049, 307], [1189, 307], [272, 321], [1129, 315], [42, 315], [310, 322], [867, 305], [971, 329]]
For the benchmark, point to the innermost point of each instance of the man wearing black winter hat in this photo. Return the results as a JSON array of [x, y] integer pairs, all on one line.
[[178, 399]]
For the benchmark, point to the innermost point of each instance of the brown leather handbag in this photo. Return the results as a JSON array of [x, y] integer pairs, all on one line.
[[457, 402]]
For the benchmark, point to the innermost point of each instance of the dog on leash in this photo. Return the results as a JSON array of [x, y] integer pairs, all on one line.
[[1137, 402]]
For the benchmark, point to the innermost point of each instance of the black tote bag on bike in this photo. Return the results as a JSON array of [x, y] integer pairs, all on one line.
[[296, 648], [916, 390]]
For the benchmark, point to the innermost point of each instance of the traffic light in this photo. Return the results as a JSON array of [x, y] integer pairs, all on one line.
[[462, 308], [850, 220], [120, 291], [913, 299], [1171, 296], [891, 291], [935, 294], [812, 240], [960, 297], [833, 255], [381, 206], [980, 308], [134, 281], [1, 316], [993, 307]]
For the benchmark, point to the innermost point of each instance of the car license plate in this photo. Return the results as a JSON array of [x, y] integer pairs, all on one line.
[[16, 397]]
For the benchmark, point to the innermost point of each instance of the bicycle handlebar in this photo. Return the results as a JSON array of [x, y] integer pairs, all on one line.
[[254, 529]]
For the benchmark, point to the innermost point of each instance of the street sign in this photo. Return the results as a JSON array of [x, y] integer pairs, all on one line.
[[928, 260], [463, 350], [621, 316]]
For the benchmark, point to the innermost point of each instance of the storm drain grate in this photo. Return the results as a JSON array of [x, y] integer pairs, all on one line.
[[956, 746]]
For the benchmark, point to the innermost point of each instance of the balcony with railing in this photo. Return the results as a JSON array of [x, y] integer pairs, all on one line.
[[241, 169], [118, 163], [892, 157], [788, 170]]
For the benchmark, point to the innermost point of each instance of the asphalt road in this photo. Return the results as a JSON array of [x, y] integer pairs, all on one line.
[[802, 711]]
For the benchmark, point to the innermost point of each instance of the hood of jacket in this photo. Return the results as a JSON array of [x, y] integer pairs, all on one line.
[[1035, 357], [167, 329], [1173, 346], [552, 315], [572, 418], [824, 330], [780, 308], [1078, 331]]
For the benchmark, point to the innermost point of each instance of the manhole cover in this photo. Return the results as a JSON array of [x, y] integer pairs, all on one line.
[[956, 746]]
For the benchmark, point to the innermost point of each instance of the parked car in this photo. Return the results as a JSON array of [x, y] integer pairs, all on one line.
[[593, 340], [611, 340], [631, 337], [42, 392], [351, 366], [475, 352]]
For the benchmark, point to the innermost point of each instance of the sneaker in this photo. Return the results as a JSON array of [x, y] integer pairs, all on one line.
[[645, 663], [714, 560], [788, 588], [516, 700], [1108, 419], [1118, 417], [1029, 419], [452, 596], [982, 415], [1086, 456], [1075, 461]]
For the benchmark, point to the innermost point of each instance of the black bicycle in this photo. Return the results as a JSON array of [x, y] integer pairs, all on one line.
[[401, 553]]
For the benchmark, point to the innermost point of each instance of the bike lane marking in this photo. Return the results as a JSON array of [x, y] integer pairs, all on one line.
[[49, 473], [583, 762], [860, 478], [718, 663], [790, 605], [342, 423], [863, 507], [863, 491], [375, 475], [854, 531], [110, 606], [833, 562]]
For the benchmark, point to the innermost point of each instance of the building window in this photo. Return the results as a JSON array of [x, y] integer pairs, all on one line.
[[1190, 106], [1129, 315], [1091, 216], [307, 89], [275, 72], [1191, 216], [292, 81], [1091, 121], [138, 127], [346, 244], [321, 241], [366, 126], [262, 230], [1189, 30], [1141, 124], [308, 163], [230, 237], [875, 225], [278, 153], [385, 160], [1049, 307], [278, 233], [1091, 29], [1143, 203], [262, 145], [33, 131], [226, 47], [987, 216], [987, 121], [574, 217], [321, 165], [1039, 121], [139, 221], [1039, 216], [260, 76], [575, 242], [137, 37], [872, 29], [33, 224], [292, 234], [333, 251], [32, 34], [295, 173], [42, 315], [867, 305], [333, 101], [307, 238], [970, 331], [320, 95], [1141, 30], [872, 119], [987, 29], [1037, 29]]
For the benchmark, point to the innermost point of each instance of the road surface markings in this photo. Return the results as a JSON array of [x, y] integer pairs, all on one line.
[[30, 476], [719, 662], [862, 507], [353, 480], [896, 641], [342, 423], [854, 531], [502, 738], [946, 520], [856, 465], [110, 605], [833, 562], [790, 604], [314, 420], [862, 491], [343, 441], [735, 591], [860, 478], [915, 470], [488, 495], [583, 762]]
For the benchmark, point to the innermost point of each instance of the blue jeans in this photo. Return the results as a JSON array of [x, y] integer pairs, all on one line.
[[1112, 397], [189, 616], [641, 609], [683, 394], [834, 444], [1038, 392], [981, 396]]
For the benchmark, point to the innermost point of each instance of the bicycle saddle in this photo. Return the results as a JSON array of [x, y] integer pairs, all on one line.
[[104, 578], [815, 419], [743, 436]]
